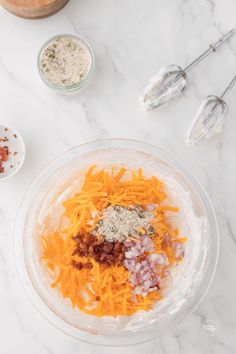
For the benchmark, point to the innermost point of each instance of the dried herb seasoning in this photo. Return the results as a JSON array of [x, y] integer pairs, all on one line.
[[65, 61]]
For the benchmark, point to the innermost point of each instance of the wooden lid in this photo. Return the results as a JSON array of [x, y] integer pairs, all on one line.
[[33, 8]]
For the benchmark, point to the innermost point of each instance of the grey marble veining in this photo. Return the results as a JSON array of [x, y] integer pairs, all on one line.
[[132, 40]]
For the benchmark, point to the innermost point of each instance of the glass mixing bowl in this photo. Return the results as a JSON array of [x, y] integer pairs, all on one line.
[[196, 220]]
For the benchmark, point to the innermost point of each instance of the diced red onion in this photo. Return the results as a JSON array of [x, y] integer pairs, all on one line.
[[132, 253], [144, 262], [137, 267], [138, 290], [138, 246], [133, 279], [147, 284], [143, 275], [157, 258], [153, 257], [147, 243], [146, 276], [129, 263], [153, 289]]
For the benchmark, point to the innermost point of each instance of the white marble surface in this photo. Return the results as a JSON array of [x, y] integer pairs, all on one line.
[[131, 40]]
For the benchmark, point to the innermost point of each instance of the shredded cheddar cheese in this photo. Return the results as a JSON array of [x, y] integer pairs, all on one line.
[[102, 290]]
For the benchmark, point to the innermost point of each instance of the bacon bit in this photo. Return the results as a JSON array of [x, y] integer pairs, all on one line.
[[4, 140], [4, 154], [77, 265], [102, 251], [80, 265], [87, 265]]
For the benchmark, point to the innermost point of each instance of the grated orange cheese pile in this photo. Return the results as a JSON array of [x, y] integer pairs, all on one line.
[[103, 290]]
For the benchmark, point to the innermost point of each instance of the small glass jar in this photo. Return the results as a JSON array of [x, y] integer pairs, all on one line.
[[76, 87]]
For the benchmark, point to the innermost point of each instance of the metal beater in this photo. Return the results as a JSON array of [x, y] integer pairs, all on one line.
[[210, 117], [171, 80]]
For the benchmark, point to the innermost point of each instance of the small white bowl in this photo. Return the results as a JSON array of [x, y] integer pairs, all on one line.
[[12, 139]]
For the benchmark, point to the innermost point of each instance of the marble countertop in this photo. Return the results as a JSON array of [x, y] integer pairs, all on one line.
[[131, 40]]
